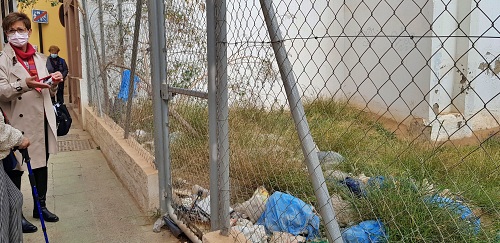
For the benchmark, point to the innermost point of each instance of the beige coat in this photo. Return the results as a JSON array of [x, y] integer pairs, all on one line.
[[25, 107]]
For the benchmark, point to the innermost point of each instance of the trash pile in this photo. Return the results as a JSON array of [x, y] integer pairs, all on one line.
[[282, 218], [361, 186]]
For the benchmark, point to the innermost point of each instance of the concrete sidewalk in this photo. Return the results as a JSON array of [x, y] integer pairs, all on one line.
[[92, 204]]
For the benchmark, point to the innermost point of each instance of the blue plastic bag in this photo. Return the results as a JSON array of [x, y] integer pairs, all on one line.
[[457, 207], [354, 185], [286, 213], [370, 231], [123, 94]]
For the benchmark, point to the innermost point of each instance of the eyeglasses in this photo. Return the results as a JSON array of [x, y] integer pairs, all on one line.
[[19, 30]]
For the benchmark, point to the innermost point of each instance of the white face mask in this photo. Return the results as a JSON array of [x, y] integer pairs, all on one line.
[[18, 39]]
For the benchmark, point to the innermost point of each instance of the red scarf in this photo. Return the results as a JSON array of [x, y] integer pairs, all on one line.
[[21, 55], [27, 57]]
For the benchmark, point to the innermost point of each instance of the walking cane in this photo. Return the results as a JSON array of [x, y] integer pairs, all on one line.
[[27, 160]]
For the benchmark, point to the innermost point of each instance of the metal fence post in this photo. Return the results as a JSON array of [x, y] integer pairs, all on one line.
[[299, 117], [87, 51], [131, 84], [212, 116], [223, 115], [158, 75], [104, 73]]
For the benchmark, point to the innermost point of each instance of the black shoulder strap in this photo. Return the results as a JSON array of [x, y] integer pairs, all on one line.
[[4, 117]]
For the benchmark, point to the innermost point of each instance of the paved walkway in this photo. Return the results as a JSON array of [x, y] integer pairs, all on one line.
[[92, 204]]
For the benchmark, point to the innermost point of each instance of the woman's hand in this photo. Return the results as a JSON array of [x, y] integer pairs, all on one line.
[[57, 77], [25, 143], [31, 82]]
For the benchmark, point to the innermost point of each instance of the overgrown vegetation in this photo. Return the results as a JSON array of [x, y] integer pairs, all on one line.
[[24, 4], [264, 150]]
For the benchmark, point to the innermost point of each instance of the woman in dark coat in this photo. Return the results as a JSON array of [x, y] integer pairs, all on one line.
[[56, 63]]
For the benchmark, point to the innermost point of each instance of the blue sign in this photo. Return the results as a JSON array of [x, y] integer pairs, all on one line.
[[40, 16]]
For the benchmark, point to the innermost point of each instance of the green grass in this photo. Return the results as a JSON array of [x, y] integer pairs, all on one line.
[[264, 150]]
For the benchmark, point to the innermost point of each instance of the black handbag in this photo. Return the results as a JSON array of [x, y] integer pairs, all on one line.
[[63, 119], [9, 162]]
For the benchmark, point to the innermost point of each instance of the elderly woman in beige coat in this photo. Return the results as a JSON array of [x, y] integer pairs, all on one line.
[[26, 100], [11, 199]]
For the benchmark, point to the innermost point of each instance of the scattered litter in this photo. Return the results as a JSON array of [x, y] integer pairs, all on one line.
[[254, 233], [457, 207], [370, 231], [191, 201], [354, 186], [363, 178], [377, 181], [283, 237], [198, 190], [165, 220], [286, 213], [158, 224], [203, 207], [255, 206], [329, 159], [172, 226], [186, 202], [335, 175], [139, 133], [343, 211], [183, 193]]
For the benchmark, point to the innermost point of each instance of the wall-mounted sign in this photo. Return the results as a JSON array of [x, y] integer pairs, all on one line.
[[40, 16]]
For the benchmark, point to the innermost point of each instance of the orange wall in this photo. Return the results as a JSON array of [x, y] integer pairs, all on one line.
[[53, 33]]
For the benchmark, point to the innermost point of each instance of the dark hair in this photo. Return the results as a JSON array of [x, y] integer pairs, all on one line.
[[54, 48], [13, 17]]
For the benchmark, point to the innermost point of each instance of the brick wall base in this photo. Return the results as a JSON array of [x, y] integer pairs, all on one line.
[[132, 164]]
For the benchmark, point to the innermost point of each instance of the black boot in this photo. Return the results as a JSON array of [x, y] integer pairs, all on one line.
[[47, 215], [27, 226], [41, 177]]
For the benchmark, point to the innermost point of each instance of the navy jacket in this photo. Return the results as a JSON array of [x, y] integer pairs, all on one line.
[[57, 64]]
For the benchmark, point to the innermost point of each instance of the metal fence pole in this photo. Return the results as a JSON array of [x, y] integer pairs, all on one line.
[[156, 19], [223, 115], [121, 49], [131, 84], [104, 73], [87, 51], [299, 117], [93, 45], [157, 32], [212, 116]]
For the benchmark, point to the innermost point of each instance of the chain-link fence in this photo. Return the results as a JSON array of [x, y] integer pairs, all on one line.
[[390, 105], [111, 27]]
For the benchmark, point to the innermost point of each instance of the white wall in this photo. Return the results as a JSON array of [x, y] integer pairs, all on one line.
[[388, 74], [452, 84], [331, 57], [360, 52], [465, 89], [484, 66]]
